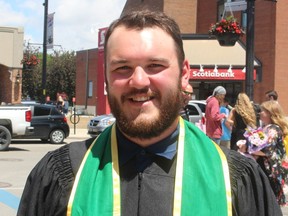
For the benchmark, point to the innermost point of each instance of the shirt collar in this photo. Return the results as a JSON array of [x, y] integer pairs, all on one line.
[[166, 148]]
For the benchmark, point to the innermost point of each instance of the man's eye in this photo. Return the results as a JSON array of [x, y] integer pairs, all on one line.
[[122, 68], [155, 68], [155, 65]]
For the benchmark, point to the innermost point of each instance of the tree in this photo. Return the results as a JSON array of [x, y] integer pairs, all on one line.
[[61, 73], [31, 73]]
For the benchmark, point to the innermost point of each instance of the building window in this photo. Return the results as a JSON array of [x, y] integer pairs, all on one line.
[[90, 89], [244, 19], [220, 9]]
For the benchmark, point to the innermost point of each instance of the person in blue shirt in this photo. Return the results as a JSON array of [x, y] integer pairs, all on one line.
[[226, 127]]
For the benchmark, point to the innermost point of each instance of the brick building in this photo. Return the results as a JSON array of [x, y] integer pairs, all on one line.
[[11, 46], [194, 18], [270, 43]]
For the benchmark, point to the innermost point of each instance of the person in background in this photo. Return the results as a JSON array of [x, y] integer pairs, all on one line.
[[241, 116], [187, 96], [213, 115], [271, 157], [274, 121], [271, 95], [60, 103], [66, 107], [48, 100], [226, 127], [150, 161]]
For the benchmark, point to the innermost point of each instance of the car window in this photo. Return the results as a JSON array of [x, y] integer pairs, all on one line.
[[202, 107], [192, 110], [41, 111]]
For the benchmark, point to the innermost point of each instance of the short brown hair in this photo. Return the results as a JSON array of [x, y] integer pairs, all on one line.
[[148, 19], [272, 94]]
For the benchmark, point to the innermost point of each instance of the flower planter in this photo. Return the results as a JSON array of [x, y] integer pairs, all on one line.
[[227, 39]]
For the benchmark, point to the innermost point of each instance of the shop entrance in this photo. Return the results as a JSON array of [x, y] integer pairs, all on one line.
[[203, 89]]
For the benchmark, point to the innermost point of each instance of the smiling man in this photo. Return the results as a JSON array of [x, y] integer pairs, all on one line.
[[141, 74], [151, 161]]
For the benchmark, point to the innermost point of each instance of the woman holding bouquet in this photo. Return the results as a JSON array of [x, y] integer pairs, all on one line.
[[271, 157]]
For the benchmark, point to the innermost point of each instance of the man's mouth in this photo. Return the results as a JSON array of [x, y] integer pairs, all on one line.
[[141, 99], [140, 96]]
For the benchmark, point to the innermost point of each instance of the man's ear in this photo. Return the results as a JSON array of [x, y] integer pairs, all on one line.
[[106, 87], [185, 74]]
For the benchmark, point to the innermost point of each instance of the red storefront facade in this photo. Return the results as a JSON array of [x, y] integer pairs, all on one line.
[[194, 18]]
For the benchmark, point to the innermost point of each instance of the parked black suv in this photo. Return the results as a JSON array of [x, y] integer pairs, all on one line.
[[48, 123]]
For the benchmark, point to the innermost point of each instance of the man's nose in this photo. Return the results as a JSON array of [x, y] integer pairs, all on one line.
[[139, 78]]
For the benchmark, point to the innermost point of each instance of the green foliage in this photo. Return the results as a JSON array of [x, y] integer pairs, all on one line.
[[31, 75], [60, 75]]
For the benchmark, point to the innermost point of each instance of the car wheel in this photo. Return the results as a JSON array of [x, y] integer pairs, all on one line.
[[57, 136], [5, 138]]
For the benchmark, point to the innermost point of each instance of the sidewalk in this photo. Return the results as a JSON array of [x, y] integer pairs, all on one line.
[[79, 131]]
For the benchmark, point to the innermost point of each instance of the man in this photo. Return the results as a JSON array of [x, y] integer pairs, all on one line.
[[187, 96], [213, 115], [271, 95], [150, 162]]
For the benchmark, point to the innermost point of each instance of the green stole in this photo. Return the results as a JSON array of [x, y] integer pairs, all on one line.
[[202, 185]]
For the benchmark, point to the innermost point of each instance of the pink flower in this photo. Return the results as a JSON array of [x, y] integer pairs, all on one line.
[[257, 139]]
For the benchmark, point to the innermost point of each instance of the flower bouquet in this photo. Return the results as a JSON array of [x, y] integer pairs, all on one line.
[[257, 139]]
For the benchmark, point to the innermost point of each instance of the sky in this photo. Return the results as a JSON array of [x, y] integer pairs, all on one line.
[[76, 22]]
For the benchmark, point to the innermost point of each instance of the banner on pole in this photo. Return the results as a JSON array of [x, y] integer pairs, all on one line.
[[50, 37]]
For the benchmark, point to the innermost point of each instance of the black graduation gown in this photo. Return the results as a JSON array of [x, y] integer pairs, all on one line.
[[49, 185]]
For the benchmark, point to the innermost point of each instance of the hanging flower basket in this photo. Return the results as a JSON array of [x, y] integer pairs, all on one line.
[[227, 31], [29, 62], [227, 39]]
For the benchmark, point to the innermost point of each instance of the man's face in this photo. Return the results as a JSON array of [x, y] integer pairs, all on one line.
[[143, 81], [187, 94]]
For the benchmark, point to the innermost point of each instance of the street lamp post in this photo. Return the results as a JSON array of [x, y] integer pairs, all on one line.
[[44, 51], [249, 81]]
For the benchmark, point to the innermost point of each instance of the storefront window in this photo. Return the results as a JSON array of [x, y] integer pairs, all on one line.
[[90, 89], [203, 89]]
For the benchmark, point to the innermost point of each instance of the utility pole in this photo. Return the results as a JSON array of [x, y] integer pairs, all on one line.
[[44, 62], [249, 81]]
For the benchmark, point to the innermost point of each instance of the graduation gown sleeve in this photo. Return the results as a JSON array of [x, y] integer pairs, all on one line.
[[251, 190], [49, 184]]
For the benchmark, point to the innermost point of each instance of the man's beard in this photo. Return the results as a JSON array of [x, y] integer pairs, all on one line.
[[143, 128]]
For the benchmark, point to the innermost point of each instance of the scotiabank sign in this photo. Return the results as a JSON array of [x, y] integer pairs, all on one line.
[[219, 74]]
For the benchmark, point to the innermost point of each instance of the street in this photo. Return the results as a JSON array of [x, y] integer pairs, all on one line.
[[17, 163]]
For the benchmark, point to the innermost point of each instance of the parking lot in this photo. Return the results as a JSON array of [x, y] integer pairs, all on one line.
[[22, 156]]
